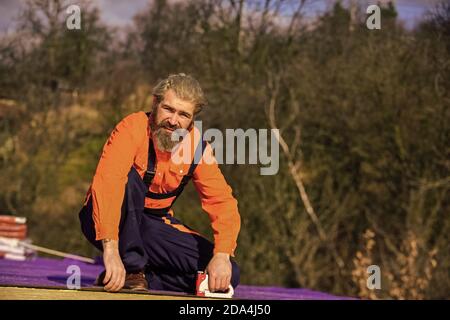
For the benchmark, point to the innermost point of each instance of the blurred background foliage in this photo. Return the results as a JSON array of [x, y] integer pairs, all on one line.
[[364, 114]]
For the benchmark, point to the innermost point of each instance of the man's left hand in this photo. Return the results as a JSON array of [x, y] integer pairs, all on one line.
[[219, 272]]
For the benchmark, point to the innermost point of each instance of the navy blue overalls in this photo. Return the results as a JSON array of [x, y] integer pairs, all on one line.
[[169, 257]]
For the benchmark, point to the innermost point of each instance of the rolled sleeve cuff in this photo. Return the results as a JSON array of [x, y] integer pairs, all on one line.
[[228, 248], [106, 233]]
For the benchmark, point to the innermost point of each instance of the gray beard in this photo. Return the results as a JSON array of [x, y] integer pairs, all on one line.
[[163, 140]]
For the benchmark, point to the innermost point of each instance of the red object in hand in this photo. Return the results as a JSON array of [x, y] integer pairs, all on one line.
[[202, 288], [201, 276]]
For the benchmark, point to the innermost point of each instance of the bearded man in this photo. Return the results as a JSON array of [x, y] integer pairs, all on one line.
[[127, 212]]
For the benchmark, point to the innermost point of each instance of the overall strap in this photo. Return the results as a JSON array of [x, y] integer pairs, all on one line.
[[150, 172]]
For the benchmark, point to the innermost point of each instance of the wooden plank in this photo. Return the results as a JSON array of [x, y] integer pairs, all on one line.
[[28, 293]]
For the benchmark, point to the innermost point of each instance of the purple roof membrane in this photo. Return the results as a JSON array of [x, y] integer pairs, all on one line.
[[45, 272]]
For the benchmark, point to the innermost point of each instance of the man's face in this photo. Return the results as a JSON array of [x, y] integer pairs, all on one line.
[[170, 114]]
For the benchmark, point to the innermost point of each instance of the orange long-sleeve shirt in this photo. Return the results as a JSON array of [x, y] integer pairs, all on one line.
[[127, 146]]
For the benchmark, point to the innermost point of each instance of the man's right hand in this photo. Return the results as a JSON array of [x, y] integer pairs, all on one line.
[[115, 271]]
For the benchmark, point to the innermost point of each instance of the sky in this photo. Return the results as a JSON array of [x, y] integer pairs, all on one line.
[[119, 13]]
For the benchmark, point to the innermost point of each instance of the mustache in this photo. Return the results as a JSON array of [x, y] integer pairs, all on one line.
[[167, 125]]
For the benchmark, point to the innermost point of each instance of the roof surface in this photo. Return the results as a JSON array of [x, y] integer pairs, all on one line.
[[53, 274]]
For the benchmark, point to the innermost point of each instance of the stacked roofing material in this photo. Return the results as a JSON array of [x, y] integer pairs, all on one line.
[[13, 236]]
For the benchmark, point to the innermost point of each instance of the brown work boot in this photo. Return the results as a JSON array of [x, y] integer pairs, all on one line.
[[136, 281], [133, 281]]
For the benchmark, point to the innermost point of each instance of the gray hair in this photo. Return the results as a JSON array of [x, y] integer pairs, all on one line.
[[185, 87]]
